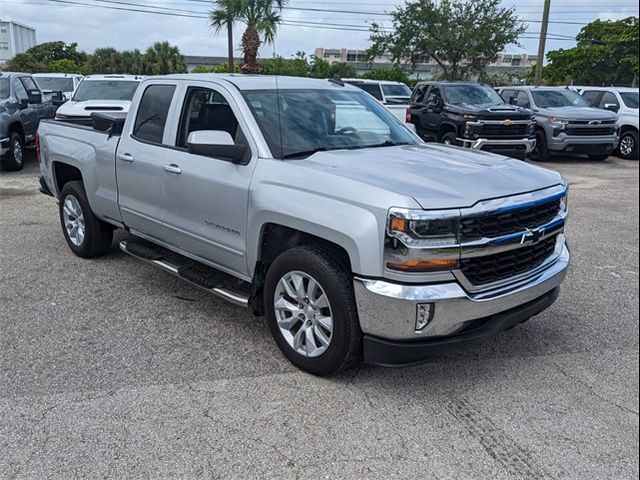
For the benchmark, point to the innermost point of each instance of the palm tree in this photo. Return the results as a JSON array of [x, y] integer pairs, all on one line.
[[262, 18], [161, 59]]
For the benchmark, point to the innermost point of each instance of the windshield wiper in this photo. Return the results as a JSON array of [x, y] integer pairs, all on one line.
[[304, 153], [387, 143]]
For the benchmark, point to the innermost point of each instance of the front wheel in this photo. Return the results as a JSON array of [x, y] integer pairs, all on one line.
[[13, 160], [628, 148], [540, 152], [311, 310], [449, 138], [86, 235]]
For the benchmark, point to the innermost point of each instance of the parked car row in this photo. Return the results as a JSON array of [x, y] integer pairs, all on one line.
[[517, 121]]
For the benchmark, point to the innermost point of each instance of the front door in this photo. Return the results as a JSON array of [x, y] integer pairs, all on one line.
[[206, 198], [141, 160]]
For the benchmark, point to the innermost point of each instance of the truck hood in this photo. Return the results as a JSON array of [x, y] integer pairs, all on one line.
[[580, 113], [435, 176], [491, 111], [85, 109]]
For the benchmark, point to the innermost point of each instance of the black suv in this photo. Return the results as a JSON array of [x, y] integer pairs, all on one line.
[[472, 115]]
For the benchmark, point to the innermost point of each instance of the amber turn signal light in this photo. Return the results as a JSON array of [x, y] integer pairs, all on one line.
[[414, 265], [398, 224]]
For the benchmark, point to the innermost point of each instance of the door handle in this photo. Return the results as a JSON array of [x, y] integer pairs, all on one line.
[[173, 168], [126, 157]]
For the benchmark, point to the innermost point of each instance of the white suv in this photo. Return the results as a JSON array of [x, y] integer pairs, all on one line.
[[623, 101]]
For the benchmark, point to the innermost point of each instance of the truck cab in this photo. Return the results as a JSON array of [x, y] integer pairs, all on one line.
[[306, 201], [22, 106], [471, 115]]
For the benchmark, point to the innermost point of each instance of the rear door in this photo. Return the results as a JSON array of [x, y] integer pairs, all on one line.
[[142, 158], [205, 198]]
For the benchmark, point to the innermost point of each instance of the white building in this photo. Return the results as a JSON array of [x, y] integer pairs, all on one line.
[[15, 38]]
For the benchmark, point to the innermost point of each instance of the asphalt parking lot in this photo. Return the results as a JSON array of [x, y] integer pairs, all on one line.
[[112, 369]]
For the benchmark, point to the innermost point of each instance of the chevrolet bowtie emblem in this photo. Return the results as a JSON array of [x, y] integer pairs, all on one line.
[[532, 236], [506, 123]]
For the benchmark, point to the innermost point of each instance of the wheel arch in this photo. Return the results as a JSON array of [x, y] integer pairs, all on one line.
[[445, 128], [64, 173]]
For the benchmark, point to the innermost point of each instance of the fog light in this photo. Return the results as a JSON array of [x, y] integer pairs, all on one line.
[[424, 315]]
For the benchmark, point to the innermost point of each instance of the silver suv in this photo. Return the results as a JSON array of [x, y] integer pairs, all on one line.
[[566, 122]]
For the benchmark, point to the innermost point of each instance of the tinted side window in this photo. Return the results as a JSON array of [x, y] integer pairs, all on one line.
[[523, 99], [609, 99], [372, 89], [506, 95], [206, 109], [152, 113], [593, 97], [418, 93], [434, 96], [21, 92], [29, 83]]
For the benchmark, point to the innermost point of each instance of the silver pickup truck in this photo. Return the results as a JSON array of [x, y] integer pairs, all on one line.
[[308, 202]]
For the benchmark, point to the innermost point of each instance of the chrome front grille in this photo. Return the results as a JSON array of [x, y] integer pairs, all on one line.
[[496, 224], [505, 265]]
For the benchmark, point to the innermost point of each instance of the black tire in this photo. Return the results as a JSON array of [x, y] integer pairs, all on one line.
[[540, 153], [13, 160], [631, 152], [450, 138], [598, 158], [345, 346], [98, 235]]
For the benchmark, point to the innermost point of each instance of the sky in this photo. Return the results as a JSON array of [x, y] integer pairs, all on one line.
[[91, 25]]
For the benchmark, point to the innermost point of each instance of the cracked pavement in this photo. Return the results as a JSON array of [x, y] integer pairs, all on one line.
[[112, 369]]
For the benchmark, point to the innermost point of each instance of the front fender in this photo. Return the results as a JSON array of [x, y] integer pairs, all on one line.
[[357, 229]]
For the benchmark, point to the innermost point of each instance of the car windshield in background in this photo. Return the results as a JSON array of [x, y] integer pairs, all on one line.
[[298, 123], [630, 99], [558, 98], [472, 95], [4, 88], [55, 84], [105, 90], [391, 90]]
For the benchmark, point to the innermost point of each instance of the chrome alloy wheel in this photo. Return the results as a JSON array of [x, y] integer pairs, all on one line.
[[73, 220], [627, 144], [17, 152], [303, 314]]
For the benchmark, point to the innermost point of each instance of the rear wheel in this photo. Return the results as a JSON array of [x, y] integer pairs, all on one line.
[[311, 310], [86, 235], [628, 148], [540, 153], [13, 160]]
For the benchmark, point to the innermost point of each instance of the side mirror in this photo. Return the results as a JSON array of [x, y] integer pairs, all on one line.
[[216, 144], [612, 107], [33, 97]]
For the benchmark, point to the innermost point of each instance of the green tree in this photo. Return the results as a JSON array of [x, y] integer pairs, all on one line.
[[37, 58], [320, 68], [261, 17], [103, 60], [131, 62], [394, 74], [223, 17], [462, 37], [63, 66], [161, 59], [343, 69], [298, 66], [607, 53]]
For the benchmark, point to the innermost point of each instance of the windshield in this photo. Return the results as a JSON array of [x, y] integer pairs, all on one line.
[[4, 88], [105, 90], [396, 90], [630, 99], [298, 123], [62, 84], [472, 95], [558, 98]]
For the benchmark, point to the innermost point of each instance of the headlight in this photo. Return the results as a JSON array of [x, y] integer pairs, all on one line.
[[558, 123], [421, 241], [564, 203]]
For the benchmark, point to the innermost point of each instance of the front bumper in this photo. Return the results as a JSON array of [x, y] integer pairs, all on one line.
[[582, 144], [389, 310], [524, 145], [4, 145]]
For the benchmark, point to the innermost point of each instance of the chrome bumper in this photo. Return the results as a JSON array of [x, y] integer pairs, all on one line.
[[389, 310], [528, 143]]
